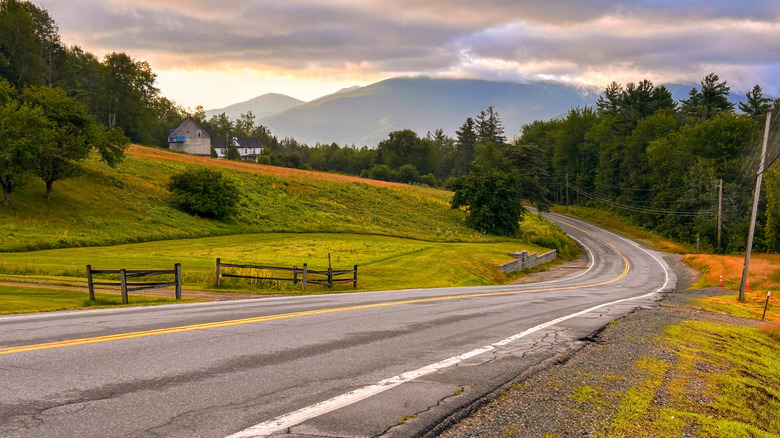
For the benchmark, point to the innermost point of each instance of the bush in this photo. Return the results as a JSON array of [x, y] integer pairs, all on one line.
[[204, 192], [492, 200], [408, 174]]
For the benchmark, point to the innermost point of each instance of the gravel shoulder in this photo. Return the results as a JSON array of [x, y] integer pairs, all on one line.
[[557, 401]]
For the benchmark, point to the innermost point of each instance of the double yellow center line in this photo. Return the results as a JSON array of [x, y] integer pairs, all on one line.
[[233, 322]]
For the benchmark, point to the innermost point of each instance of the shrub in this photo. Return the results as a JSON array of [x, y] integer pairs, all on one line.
[[204, 192], [492, 201]]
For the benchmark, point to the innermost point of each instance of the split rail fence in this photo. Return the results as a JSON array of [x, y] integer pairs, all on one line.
[[302, 275], [125, 274]]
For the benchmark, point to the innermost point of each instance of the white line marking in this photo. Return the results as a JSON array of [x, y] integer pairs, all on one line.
[[293, 418], [288, 420]]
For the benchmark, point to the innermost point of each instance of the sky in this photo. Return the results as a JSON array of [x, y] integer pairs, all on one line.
[[214, 54]]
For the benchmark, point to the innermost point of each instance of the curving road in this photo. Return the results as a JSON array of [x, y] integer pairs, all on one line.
[[393, 363]]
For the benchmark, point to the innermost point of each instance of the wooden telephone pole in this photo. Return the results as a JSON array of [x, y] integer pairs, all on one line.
[[720, 209], [756, 195]]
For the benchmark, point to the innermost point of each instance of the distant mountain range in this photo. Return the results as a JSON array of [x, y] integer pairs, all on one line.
[[261, 106], [363, 116]]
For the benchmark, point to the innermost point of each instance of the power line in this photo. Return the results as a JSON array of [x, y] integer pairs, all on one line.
[[638, 209]]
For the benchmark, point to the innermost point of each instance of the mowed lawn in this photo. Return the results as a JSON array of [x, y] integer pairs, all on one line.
[[24, 299], [384, 262]]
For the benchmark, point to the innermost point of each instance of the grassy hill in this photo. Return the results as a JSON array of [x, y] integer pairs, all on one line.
[[106, 206], [401, 236]]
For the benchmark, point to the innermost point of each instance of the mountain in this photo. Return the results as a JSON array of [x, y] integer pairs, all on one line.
[[261, 106], [364, 116]]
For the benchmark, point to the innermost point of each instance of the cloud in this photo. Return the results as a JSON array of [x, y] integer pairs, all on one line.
[[509, 39]]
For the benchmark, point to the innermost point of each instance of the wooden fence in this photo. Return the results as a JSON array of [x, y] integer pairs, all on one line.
[[303, 275], [124, 274]]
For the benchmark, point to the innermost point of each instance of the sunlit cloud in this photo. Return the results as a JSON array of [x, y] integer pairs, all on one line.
[[257, 46]]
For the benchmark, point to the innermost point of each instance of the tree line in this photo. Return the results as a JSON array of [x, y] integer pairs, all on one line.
[[638, 151], [117, 91], [659, 162]]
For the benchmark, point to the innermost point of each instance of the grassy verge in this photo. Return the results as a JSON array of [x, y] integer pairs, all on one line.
[[22, 300], [615, 222], [384, 262], [764, 276], [722, 381], [764, 268]]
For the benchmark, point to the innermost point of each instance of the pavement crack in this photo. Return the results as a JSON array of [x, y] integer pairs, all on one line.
[[430, 408]]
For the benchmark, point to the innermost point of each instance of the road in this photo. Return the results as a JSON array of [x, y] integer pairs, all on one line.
[[395, 363]]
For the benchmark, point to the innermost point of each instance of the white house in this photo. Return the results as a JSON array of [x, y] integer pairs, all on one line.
[[249, 148]]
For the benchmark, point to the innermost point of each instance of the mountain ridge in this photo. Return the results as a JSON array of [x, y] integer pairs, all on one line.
[[364, 116], [261, 106]]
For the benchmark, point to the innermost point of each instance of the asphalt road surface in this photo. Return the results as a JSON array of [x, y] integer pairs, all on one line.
[[395, 363]]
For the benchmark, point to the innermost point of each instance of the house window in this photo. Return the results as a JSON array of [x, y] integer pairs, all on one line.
[[198, 134], [187, 132]]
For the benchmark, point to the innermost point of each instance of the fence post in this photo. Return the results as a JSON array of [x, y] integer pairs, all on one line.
[[305, 269], [218, 266], [330, 278], [123, 286], [89, 283], [766, 306], [177, 269], [354, 281], [295, 275]]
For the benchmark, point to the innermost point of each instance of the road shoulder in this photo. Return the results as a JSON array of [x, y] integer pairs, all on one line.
[[586, 392]]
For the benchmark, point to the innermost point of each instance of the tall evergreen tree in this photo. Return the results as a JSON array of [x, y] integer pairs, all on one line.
[[466, 146], [489, 127], [709, 102], [757, 105]]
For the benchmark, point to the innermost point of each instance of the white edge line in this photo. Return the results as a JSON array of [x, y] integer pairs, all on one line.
[[293, 418]]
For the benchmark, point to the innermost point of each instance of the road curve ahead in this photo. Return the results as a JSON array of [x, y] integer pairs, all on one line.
[[394, 363]]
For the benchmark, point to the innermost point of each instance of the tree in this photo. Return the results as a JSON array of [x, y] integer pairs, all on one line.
[[528, 161], [28, 37], [465, 145], [491, 199], [22, 129], [405, 147], [73, 134], [222, 125], [772, 227], [489, 126], [128, 96], [204, 192], [610, 101], [757, 105], [245, 125], [707, 103]]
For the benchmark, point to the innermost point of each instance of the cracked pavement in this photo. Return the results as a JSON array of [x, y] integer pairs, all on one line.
[[217, 381]]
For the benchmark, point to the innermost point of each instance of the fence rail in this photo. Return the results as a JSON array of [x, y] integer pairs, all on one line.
[[126, 287], [300, 275]]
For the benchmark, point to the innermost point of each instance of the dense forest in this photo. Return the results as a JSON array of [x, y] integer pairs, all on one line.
[[638, 151]]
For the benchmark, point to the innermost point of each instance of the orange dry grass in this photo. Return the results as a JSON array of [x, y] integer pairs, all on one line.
[[764, 275], [764, 271], [159, 154]]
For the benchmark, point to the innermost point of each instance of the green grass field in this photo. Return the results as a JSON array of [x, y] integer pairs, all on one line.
[[22, 299], [401, 236], [384, 262]]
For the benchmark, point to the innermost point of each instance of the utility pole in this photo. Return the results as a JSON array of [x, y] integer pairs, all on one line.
[[756, 195], [720, 209], [567, 192]]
